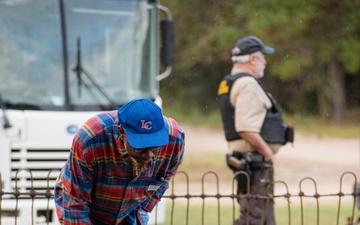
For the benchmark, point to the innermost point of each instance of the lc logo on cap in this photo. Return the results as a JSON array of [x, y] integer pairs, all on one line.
[[146, 125]]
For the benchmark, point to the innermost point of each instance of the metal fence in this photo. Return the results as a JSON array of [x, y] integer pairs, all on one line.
[[185, 196], [301, 197]]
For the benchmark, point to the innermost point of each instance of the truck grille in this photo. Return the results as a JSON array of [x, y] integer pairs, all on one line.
[[36, 168]]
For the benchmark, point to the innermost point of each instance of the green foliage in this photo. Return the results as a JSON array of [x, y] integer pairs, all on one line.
[[306, 35], [285, 66], [346, 54]]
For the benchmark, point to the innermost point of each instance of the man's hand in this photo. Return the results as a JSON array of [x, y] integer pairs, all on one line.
[[258, 143]]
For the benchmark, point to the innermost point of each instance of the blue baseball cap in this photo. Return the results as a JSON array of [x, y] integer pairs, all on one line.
[[144, 124]]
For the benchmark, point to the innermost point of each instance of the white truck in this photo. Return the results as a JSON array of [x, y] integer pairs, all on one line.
[[61, 62]]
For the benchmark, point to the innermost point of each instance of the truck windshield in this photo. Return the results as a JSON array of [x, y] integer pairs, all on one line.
[[108, 46]]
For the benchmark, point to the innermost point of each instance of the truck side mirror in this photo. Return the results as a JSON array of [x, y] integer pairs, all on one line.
[[167, 42]]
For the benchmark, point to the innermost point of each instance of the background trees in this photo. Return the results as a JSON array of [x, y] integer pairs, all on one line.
[[316, 66]]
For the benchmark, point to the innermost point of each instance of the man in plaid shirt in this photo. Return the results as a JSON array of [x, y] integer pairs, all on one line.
[[119, 166]]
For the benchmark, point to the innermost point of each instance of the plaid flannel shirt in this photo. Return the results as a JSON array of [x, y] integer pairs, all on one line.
[[97, 185]]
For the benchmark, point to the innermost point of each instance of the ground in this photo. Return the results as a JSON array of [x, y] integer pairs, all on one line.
[[312, 164]]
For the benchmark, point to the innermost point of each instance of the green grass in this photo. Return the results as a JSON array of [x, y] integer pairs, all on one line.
[[308, 124], [323, 127], [211, 214], [195, 214], [309, 215]]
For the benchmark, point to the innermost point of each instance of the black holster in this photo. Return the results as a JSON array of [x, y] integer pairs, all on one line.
[[246, 163], [289, 134]]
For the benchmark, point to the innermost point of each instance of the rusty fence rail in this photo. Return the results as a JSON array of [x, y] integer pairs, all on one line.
[[185, 195]]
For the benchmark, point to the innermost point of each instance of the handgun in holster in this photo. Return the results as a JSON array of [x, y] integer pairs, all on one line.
[[246, 163]]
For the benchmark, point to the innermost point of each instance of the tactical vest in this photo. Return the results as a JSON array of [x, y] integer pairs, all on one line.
[[273, 128]]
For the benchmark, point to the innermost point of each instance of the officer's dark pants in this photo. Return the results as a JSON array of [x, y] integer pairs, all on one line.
[[258, 211]]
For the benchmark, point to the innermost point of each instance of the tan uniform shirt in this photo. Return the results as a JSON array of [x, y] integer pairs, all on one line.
[[251, 104]]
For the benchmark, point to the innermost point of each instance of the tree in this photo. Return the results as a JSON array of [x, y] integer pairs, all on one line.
[[316, 41], [315, 37]]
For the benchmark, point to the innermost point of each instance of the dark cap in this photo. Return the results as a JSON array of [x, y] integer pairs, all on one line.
[[250, 44], [144, 124]]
